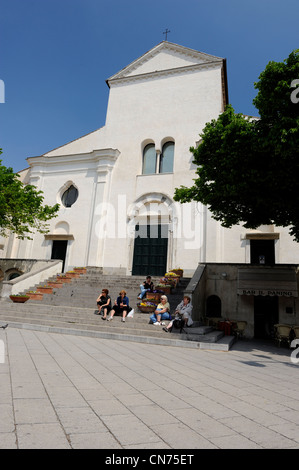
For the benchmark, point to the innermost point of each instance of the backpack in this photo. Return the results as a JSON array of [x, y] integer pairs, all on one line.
[[178, 323]]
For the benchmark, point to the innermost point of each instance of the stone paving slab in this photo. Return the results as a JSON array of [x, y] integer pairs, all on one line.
[[62, 391]]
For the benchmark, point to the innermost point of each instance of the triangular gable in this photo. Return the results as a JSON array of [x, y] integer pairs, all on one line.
[[165, 56], [83, 144]]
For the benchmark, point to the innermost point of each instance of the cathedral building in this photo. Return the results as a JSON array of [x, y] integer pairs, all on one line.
[[115, 185]]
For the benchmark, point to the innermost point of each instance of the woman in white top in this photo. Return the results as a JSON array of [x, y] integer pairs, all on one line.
[[161, 312], [183, 311]]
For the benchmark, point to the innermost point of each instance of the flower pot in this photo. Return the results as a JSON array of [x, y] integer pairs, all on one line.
[[20, 299], [153, 296], [55, 285], [80, 270], [45, 290], [165, 289], [146, 309], [72, 275], [64, 280], [173, 278], [179, 272], [35, 295]]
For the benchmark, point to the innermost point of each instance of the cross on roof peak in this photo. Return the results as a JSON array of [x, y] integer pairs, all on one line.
[[166, 32]]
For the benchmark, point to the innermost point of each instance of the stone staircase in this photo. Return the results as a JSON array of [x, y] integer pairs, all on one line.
[[72, 309]]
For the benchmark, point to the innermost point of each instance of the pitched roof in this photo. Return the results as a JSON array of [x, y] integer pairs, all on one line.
[[164, 57]]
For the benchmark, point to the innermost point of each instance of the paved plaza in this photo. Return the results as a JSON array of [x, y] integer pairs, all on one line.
[[64, 391]]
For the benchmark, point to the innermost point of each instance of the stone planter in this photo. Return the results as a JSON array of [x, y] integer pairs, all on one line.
[[20, 299], [45, 290]]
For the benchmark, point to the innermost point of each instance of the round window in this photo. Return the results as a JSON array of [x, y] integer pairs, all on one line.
[[69, 196]]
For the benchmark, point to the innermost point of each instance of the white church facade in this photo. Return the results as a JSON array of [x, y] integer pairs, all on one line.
[[115, 186]]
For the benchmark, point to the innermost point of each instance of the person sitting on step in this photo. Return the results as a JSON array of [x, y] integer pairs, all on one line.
[[147, 285], [104, 303], [182, 312], [121, 306], [161, 312]]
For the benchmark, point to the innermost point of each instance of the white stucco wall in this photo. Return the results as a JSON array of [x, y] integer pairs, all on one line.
[[168, 94]]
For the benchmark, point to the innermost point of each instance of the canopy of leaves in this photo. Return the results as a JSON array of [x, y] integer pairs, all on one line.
[[248, 169], [21, 206]]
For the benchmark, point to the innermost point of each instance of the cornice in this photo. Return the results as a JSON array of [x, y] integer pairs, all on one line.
[[165, 73], [180, 51], [48, 164]]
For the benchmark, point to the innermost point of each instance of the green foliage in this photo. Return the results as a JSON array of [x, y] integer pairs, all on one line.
[[21, 206], [248, 168]]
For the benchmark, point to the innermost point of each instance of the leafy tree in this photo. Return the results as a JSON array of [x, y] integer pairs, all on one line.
[[248, 168], [21, 209]]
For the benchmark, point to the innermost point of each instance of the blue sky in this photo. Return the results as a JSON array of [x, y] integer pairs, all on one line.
[[55, 56]]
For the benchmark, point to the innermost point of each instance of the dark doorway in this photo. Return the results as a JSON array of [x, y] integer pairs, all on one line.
[[150, 250], [213, 306], [59, 250], [262, 252], [265, 316]]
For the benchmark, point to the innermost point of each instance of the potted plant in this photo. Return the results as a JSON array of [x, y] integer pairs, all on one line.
[[55, 284], [174, 278], [153, 296], [165, 280], [80, 270], [62, 278], [34, 295], [177, 271], [45, 289], [19, 298], [166, 288], [146, 306], [71, 274]]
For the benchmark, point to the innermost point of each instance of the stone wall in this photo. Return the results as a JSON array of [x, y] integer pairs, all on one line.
[[17, 275]]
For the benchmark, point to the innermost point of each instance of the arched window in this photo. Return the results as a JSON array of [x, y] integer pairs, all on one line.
[[149, 160], [213, 306], [166, 159], [13, 276], [69, 196]]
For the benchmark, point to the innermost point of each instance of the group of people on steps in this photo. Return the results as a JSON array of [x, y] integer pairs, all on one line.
[[182, 313]]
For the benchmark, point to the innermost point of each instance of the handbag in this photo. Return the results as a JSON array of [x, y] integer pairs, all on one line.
[[131, 313], [178, 323]]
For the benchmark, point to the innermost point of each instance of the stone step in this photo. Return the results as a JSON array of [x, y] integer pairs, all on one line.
[[71, 310], [191, 334], [117, 326], [78, 293], [133, 327]]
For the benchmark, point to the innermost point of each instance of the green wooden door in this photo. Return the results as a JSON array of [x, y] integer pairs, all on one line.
[[150, 250]]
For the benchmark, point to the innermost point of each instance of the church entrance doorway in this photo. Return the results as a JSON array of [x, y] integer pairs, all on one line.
[[266, 315], [59, 251], [150, 250]]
